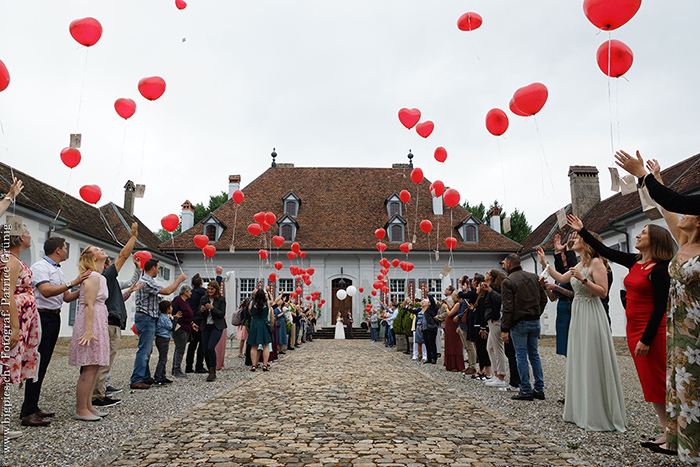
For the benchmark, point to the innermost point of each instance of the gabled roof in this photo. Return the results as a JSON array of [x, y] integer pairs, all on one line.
[[683, 177], [109, 223], [342, 207], [215, 219]]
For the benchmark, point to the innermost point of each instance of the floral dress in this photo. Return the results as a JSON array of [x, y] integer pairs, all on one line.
[[23, 361], [683, 369]]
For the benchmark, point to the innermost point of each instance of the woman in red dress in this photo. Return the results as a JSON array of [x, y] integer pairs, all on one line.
[[647, 287], [454, 356]]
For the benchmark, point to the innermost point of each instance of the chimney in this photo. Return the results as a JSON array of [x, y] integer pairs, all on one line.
[[585, 189], [234, 183], [129, 189], [495, 219], [187, 216]]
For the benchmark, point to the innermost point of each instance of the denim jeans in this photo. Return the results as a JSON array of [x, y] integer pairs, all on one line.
[[374, 334], [162, 344], [524, 336], [210, 337], [146, 329], [392, 338]]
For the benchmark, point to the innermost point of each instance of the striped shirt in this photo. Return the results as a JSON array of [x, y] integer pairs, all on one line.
[[147, 297]]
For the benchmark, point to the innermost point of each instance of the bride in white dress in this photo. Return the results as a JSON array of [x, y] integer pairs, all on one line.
[[339, 329]]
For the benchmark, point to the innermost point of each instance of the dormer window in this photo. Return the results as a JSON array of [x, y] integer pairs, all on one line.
[[395, 229], [213, 228], [393, 205], [291, 204], [288, 228], [469, 230]]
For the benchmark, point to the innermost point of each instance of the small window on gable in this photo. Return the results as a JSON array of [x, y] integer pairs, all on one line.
[[290, 207], [211, 233], [470, 234], [396, 233], [394, 209], [287, 232]]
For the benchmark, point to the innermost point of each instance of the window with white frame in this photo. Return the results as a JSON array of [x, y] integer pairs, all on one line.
[[397, 287], [434, 288], [246, 289], [285, 286]]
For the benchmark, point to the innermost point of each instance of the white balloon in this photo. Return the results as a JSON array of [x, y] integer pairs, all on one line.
[[341, 294], [351, 290]]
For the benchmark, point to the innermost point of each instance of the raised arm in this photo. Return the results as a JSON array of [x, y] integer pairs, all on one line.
[[173, 287], [12, 193], [561, 278], [128, 248]]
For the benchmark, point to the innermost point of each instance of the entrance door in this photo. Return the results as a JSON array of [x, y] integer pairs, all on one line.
[[342, 306]]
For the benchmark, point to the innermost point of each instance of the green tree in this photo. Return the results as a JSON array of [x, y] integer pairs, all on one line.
[[519, 227], [200, 212], [478, 211]]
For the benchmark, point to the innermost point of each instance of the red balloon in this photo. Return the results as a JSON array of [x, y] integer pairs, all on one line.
[[310, 271], [133, 329], [426, 226], [323, 302], [71, 157], [496, 122], [91, 193], [278, 265], [440, 154], [259, 217], [417, 175], [270, 218], [409, 267], [381, 246], [404, 247], [291, 255], [201, 240], [384, 262], [296, 248], [610, 14], [614, 58], [409, 117], [237, 196], [143, 256], [437, 188], [254, 229], [469, 21], [170, 222], [86, 31], [451, 197], [531, 98], [451, 242], [4, 77], [516, 110], [293, 295], [209, 251], [384, 271], [265, 226], [385, 289], [308, 298], [380, 276], [277, 240], [125, 107], [305, 277], [299, 290], [405, 196], [380, 233], [425, 129], [273, 277], [374, 293], [302, 254], [263, 254], [361, 290], [395, 263], [152, 88], [293, 270], [181, 5]]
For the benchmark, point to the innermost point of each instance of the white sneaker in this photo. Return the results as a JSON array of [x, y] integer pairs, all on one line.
[[509, 388], [496, 383], [486, 379], [9, 434], [414, 358]]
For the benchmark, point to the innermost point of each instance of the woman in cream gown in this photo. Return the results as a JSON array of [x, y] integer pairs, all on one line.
[[339, 330]]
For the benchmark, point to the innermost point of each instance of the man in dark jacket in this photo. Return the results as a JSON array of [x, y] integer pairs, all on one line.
[[196, 336], [523, 298]]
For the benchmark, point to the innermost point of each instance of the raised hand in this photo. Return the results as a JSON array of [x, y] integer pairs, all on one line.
[[558, 246], [574, 222], [540, 256], [655, 169], [15, 188], [633, 165], [134, 229]]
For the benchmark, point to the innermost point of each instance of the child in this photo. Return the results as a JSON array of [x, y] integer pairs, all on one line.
[[164, 331]]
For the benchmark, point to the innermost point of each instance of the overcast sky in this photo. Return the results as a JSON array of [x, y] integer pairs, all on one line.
[[322, 81]]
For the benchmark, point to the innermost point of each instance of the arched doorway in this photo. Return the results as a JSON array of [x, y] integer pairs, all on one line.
[[342, 306]]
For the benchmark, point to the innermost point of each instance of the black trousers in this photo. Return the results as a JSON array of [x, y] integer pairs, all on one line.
[[162, 344], [429, 336], [195, 344], [481, 352], [512, 364], [50, 328], [210, 338]]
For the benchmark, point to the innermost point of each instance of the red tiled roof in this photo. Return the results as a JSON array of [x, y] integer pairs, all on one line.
[[683, 177], [340, 210]]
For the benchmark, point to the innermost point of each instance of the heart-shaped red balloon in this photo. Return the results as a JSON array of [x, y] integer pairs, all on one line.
[[209, 251], [181, 5], [152, 88], [71, 157], [409, 117], [91, 193], [310, 271], [279, 265], [469, 21], [277, 240], [610, 14], [125, 107], [86, 31], [417, 175], [302, 254], [426, 226], [381, 246], [361, 290], [237, 196], [440, 154], [380, 233], [263, 254], [437, 188], [143, 256], [291, 255], [531, 98], [405, 196], [293, 270], [409, 267], [451, 242], [201, 240], [451, 197], [516, 110], [384, 262], [259, 217], [404, 247], [270, 218], [395, 263], [496, 122], [265, 226], [619, 58], [374, 293], [4, 77], [272, 277], [425, 129], [170, 222], [254, 229]]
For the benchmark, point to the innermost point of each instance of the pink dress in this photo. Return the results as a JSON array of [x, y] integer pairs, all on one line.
[[23, 361], [97, 353]]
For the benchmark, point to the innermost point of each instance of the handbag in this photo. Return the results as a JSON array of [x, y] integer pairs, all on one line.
[[270, 327]]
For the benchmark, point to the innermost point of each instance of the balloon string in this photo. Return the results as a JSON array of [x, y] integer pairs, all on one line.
[[12, 172], [60, 203], [430, 256], [617, 111], [121, 161], [503, 173], [544, 156], [415, 219], [108, 228], [235, 219], [452, 258], [612, 143], [172, 239], [82, 88], [143, 146]]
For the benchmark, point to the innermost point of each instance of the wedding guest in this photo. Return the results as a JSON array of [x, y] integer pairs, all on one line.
[[464, 292], [196, 336], [242, 331], [164, 332], [260, 337], [181, 335], [213, 309], [454, 355], [494, 344], [280, 326]]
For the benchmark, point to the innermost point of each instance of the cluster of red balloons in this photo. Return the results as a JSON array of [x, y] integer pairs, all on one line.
[[614, 57], [410, 118], [263, 222], [202, 241]]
